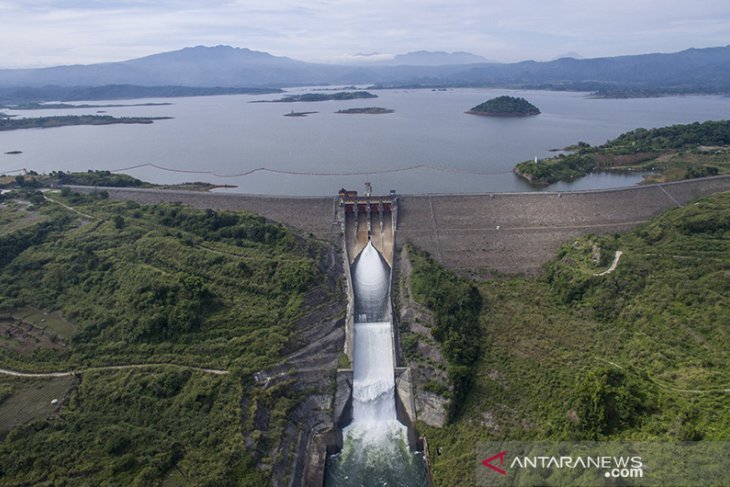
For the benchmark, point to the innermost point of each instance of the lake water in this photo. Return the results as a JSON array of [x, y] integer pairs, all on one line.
[[427, 146]]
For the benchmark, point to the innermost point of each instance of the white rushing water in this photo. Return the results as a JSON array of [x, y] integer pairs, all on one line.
[[370, 280], [373, 388], [375, 450]]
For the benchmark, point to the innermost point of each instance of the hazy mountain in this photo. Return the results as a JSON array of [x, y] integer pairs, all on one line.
[[571, 54], [192, 66], [692, 70], [436, 58], [705, 70]]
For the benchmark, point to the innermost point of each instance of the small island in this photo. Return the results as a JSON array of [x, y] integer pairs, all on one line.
[[311, 97], [298, 114], [505, 106], [62, 121], [367, 110]]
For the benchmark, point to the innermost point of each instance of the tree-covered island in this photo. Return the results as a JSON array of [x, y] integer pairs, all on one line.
[[62, 121], [505, 106], [672, 153]]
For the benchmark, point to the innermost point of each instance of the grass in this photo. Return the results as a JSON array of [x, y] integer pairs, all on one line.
[[638, 354], [15, 215], [30, 399], [50, 321]]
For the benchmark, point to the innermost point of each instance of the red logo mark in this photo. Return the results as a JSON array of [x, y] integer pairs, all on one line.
[[488, 462]]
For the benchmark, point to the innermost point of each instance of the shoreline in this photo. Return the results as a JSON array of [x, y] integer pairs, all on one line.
[[502, 115]]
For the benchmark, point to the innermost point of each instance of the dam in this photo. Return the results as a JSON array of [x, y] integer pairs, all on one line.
[[477, 235], [474, 234], [375, 447]]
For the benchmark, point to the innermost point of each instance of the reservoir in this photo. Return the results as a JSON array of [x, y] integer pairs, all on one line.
[[428, 145]]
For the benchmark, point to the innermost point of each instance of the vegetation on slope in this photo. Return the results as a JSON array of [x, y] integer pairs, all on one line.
[[505, 106], [145, 285], [163, 280], [134, 428], [675, 152], [636, 354], [456, 304]]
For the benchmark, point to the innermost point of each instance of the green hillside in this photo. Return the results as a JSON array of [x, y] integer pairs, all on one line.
[[97, 283], [639, 353]]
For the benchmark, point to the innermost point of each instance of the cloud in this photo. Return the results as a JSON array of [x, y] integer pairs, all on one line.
[[48, 32]]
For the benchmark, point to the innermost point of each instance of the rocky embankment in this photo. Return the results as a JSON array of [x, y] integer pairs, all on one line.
[[288, 408], [420, 350]]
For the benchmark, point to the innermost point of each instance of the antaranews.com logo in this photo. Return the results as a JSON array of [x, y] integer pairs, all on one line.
[[603, 463]]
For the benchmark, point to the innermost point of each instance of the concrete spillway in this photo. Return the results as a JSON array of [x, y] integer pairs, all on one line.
[[370, 280], [375, 445]]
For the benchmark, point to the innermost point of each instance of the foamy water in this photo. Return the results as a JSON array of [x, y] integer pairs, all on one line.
[[375, 449]]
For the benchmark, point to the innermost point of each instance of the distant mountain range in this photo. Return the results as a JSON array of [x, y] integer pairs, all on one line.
[[704, 70]]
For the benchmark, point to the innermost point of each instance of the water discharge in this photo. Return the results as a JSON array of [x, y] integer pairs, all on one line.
[[375, 448]]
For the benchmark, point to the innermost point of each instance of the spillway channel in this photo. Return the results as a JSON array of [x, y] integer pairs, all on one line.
[[375, 449]]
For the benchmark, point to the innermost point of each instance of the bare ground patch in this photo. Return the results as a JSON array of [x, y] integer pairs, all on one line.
[[21, 337]]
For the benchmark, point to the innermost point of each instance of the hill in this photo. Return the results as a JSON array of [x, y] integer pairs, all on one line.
[[704, 70], [597, 352], [164, 317]]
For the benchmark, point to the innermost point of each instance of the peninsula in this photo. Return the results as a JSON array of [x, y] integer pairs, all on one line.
[[671, 153], [62, 121], [505, 106], [93, 178]]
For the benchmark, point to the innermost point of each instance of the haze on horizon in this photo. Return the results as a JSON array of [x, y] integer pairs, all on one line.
[[39, 33]]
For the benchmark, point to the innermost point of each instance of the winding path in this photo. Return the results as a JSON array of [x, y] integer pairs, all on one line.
[[70, 208], [614, 264], [658, 383], [16, 373]]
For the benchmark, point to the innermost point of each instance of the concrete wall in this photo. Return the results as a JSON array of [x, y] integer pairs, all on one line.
[[479, 234], [519, 232], [405, 405]]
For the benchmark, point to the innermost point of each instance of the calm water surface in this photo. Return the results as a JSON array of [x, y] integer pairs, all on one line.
[[427, 146]]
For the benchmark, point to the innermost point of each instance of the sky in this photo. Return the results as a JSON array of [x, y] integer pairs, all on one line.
[[36, 33]]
